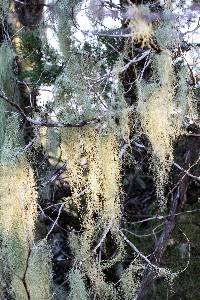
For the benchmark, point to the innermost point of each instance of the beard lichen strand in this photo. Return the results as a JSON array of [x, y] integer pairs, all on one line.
[[185, 97], [100, 287], [97, 154], [86, 152], [77, 285], [18, 212], [119, 105], [7, 78], [7, 86], [92, 144], [39, 272], [111, 180], [156, 108], [162, 105], [141, 29], [129, 283], [19, 198], [72, 152]]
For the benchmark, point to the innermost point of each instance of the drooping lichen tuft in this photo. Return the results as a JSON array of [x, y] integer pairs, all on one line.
[[18, 213], [7, 78], [7, 85], [87, 152], [129, 282], [17, 202], [142, 31], [11, 149], [164, 102], [39, 273], [156, 109], [77, 286]]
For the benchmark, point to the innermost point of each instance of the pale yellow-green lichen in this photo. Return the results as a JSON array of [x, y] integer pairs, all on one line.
[[156, 108]]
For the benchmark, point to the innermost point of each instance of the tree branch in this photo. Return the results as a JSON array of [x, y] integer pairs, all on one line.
[[177, 203], [44, 123]]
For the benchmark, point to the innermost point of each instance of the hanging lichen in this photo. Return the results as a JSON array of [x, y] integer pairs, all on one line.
[[77, 286], [17, 223], [185, 99], [92, 269], [39, 273], [129, 282], [85, 91], [94, 167], [118, 103], [156, 108], [7, 85], [7, 78], [64, 24], [18, 213], [4, 9], [141, 29], [86, 151], [18, 202], [11, 148], [164, 101]]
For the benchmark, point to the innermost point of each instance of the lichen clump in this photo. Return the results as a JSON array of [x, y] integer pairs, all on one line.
[[141, 29], [163, 103], [87, 151], [94, 175], [156, 108], [18, 210]]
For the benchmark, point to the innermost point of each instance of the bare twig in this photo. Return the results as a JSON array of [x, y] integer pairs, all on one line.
[[132, 61], [186, 171], [160, 217], [55, 222], [107, 229], [50, 219], [142, 235], [138, 252]]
